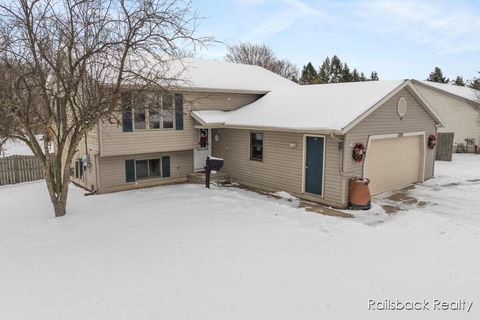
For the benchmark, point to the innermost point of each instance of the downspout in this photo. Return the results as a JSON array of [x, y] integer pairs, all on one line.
[[343, 165]]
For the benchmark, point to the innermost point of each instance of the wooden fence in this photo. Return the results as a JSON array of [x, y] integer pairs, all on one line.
[[16, 169], [444, 146]]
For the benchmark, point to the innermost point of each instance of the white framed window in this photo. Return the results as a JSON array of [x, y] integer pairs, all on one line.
[[148, 112]]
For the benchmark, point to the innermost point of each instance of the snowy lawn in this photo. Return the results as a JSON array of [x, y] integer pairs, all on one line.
[[185, 252]]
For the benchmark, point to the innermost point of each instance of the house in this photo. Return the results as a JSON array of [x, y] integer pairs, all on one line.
[[272, 134], [457, 106], [160, 145]]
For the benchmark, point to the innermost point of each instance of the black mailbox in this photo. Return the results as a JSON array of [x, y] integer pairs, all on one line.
[[212, 164]]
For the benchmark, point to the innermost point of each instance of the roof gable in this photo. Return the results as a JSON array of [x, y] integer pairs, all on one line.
[[328, 107], [463, 93]]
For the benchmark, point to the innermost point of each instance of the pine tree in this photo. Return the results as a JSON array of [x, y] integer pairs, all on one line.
[[474, 83], [355, 75], [336, 70], [374, 76], [346, 75], [459, 81], [309, 74], [325, 72], [362, 77], [437, 76]]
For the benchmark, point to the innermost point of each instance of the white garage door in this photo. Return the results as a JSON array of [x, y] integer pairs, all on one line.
[[394, 162]]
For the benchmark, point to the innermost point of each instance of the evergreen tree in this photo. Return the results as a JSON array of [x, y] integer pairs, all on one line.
[[437, 76], [459, 81], [333, 70], [336, 70], [355, 75], [325, 72], [474, 83], [346, 75], [309, 74]]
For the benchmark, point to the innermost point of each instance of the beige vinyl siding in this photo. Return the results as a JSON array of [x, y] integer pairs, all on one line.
[[458, 114], [385, 120], [115, 142], [112, 170], [282, 165], [92, 148], [219, 101]]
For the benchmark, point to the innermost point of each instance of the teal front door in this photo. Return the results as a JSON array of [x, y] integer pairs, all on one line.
[[314, 164]]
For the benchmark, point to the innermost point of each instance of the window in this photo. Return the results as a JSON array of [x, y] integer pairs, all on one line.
[[139, 112], [147, 169], [256, 146], [154, 168], [167, 111], [203, 143], [79, 169], [152, 111], [141, 169]]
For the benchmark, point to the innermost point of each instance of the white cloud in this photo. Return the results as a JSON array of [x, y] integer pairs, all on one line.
[[290, 12], [449, 27]]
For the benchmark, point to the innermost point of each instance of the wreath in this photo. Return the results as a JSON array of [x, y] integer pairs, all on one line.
[[432, 141], [358, 153]]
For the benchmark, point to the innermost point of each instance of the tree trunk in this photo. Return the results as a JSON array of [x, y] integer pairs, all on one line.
[[58, 191], [57, 178], [60, 208]]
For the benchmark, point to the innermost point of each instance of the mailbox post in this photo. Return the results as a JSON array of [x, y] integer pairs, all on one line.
[[212, 164]]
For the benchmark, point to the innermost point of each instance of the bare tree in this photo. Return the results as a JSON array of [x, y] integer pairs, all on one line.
[[67, 63], [263, 56]]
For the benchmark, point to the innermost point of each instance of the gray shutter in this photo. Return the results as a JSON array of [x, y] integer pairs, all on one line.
[[130, 170], [165, 167], [178, 111]]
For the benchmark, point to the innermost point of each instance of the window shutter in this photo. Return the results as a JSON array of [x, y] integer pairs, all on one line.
[[80, 166], [130, 170], [165, 166], [127, 121], [76, 169], [178, 111]]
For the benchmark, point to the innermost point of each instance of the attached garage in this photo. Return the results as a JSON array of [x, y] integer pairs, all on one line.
[[311, 134], [394, 162]]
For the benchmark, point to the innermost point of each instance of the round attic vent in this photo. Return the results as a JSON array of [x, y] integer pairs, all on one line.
[[402, 107]]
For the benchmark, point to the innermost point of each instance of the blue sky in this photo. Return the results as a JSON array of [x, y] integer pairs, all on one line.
[[398, 38]]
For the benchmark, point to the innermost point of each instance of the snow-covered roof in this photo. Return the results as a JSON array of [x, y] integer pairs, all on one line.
[[206, 75], [325, 107], [221, 75], [462, 92]]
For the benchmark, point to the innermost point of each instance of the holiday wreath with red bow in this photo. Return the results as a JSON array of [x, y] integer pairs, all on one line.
[[358, 153], [432, 141]]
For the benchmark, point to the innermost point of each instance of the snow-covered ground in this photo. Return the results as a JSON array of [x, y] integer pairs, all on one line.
[[186, 252]]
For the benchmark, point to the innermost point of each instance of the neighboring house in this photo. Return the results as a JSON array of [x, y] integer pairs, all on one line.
[[457, 106], [272, 134]]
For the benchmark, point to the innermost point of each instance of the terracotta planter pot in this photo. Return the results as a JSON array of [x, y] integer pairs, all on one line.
[[359, 194]]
